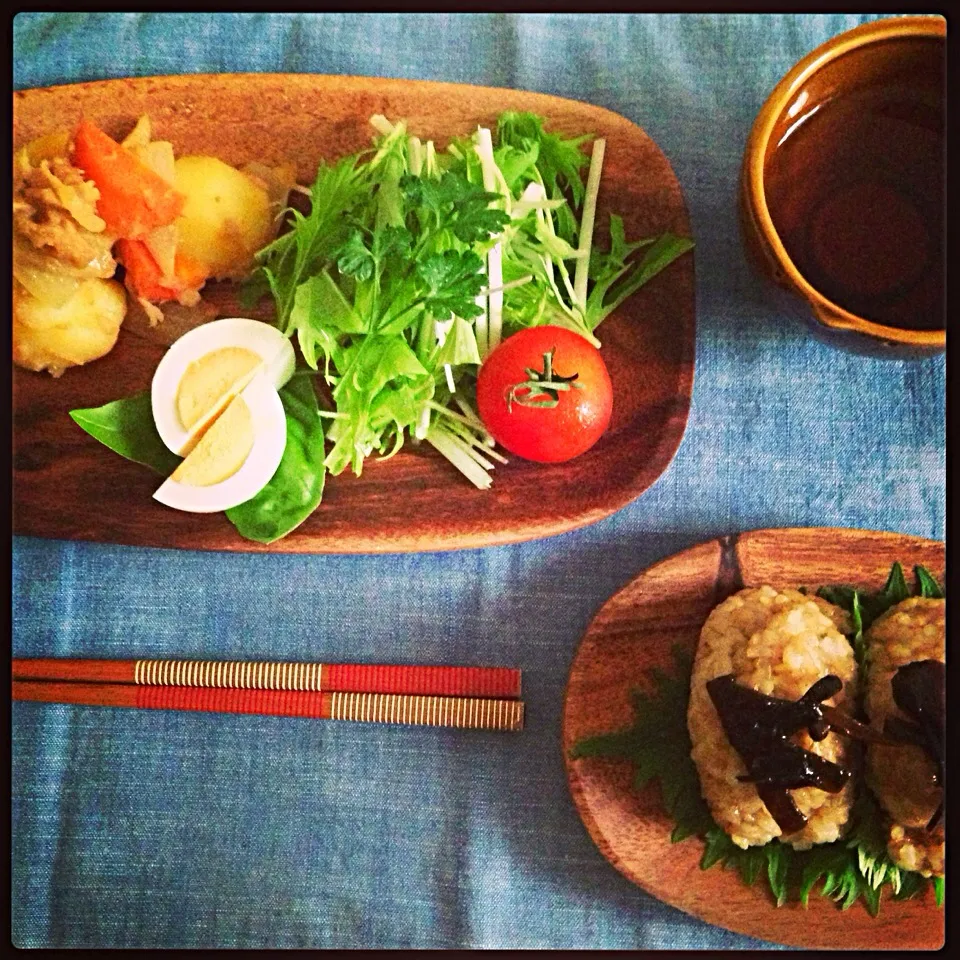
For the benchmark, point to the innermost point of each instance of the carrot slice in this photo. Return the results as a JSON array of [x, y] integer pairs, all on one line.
[[133, 198], [143, 272]]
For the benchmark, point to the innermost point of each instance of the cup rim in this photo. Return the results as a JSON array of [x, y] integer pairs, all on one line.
[[831, 314]]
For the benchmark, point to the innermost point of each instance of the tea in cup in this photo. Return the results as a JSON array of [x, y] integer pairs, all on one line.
[[843, 186]]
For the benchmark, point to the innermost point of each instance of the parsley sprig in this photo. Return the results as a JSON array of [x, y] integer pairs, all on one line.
[[853, 868]]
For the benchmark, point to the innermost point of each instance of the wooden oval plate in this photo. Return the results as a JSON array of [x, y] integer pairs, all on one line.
[[67, 485], [634, 632]]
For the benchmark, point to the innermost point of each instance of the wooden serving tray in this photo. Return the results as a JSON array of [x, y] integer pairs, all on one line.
[[66, 485], [635, 632]]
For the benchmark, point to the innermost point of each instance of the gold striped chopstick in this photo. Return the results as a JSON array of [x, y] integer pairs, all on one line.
[[477, 713], [418, 679]]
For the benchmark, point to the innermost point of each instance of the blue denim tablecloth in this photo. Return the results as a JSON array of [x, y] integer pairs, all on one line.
[[159, 829]]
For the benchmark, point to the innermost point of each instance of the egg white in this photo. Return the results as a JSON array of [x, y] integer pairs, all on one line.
[[274, 349], [270, 438]]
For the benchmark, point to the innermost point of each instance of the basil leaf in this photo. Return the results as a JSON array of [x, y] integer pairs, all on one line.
[[126, 426], [296, 489]]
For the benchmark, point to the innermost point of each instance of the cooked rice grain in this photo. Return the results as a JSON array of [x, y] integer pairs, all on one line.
[[779, 642], [902, 776]]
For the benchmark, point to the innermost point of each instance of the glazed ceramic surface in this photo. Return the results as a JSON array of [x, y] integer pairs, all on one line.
[[905, 53]]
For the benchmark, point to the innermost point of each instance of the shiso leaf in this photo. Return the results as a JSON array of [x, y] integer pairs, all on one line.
[[896, 588], [750, 865], [825, 862], [778, 863], [864, 606], [718, 848], [938, 890], [928, 585], [620, 744], [854, 868], [856, 617]]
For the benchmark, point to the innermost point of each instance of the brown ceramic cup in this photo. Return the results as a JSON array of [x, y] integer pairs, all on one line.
[[895, 69]]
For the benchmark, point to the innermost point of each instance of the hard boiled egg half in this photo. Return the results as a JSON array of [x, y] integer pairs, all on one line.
[[215, 403]]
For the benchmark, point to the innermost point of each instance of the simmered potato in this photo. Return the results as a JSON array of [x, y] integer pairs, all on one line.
[[50, 147], [85, 327], [227, 216]]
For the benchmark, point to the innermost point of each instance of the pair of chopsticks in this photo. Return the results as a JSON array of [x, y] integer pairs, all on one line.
[[483, 698]]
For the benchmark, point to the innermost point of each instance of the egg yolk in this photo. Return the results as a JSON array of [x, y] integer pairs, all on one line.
[[221, 451], [209, 379]]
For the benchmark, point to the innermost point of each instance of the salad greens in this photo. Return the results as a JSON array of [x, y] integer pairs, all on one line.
[[413, 263], [409, 268], [658, 745]]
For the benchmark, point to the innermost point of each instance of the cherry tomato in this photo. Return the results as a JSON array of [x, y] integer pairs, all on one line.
[[556, 413]]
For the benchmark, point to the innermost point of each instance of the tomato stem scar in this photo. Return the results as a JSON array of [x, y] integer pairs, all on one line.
[[543, 387]]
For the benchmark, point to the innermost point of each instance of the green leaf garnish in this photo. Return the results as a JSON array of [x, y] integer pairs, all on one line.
[[856, 619], [928, 585], [294, 491], [127, 427], [938, 890], [896, 589], [452, 281], [354, 258], [864, 606]]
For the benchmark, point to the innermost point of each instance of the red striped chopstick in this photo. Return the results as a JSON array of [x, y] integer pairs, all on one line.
[[419, 680], [465, 712]]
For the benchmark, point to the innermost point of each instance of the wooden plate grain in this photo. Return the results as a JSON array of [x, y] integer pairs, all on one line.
[[66, 485], [634, 632]]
